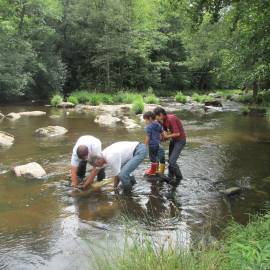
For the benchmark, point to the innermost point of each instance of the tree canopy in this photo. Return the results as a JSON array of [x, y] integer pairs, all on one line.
[[49, 46]]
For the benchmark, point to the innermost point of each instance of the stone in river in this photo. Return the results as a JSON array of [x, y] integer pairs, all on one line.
[[211, 109], [1, 115], [51, 131], [32, 169], [66, 105], [13, 116], [6, 139], [107, 120], [231, 191], [33, 113], [130, 123], [214, 103]]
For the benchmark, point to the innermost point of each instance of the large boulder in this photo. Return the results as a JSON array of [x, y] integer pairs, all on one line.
[[130, 123], [6, 139], [66, 105], [32, 169], [33, 113], [51, 131], [107, 120], [13, 116]]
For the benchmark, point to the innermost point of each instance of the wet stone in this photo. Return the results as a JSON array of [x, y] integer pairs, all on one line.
[[13, 116], [51, 131], [33, 113], [231, 191], [6, 139], [107, 120], [32, 170]]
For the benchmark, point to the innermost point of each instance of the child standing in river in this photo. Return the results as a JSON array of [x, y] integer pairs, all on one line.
[[154, 132]]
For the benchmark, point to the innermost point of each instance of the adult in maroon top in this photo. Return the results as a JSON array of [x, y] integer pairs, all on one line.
[[177, 138]]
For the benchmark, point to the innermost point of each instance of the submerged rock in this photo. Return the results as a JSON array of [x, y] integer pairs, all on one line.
[[1, 115], [51, 131], [33, 113], [13, 116], [130, 123], [6, 139], [32, 169], [107, 120], [231, 191], [66, 105]]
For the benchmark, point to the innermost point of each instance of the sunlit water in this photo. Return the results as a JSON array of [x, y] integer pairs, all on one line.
[[41, 227]]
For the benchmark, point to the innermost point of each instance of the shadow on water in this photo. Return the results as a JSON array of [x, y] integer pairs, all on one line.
[[42, 227]]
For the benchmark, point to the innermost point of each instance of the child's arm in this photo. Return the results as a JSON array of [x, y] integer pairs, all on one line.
[[146, 140]]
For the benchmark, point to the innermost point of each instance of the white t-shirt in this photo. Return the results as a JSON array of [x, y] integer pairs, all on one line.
[[117, 154], [94, 148]]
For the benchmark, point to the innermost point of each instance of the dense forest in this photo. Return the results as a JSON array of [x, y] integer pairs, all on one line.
[[49, 46]]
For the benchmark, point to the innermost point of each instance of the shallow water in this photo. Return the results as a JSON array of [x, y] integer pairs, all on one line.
[[41, 227]]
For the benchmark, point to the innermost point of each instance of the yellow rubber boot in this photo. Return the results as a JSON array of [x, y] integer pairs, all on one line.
[[161, 168]]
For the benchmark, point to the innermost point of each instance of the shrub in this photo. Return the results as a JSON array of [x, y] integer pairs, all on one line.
[[73, 100], [151, 99], [107, 99], [245, 99], [138, 105], [95, 99], [201, 98], [82, 96], [56, 100], [180, 97]]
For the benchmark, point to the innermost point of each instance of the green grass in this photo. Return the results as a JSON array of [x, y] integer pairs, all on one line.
[[138, 105], [73, 100], [201, 98], [243, 248], [151, 99], [180, 97], [56, 100]]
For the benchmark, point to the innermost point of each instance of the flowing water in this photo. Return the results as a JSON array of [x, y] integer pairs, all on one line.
[[41, 227]]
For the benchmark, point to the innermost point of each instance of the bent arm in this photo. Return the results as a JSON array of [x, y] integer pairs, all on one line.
[[74, 177], [90, 179]]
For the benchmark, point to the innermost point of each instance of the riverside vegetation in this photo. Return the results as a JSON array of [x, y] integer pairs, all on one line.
[[243, 247]]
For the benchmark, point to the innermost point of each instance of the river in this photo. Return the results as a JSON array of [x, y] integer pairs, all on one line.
[[42, 227]]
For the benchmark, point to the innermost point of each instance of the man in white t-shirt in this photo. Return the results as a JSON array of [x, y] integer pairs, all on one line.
[[85, 147], [122, 158]]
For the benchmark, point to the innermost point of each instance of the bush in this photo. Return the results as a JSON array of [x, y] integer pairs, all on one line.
[[95, 99], [73, 100], [138, 105], [180, 97], [151, 99], [201, 98], [246, 99], [82, 96], [107, 99], [56, 100]]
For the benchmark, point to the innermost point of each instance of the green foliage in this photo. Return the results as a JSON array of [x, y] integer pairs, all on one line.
[[73, 100], [268, 114], [95, 99], [180, 97], [56, 100], [138, 105], [151, 99], [246, 99], [83, 97], [107, 99], [201, 98]]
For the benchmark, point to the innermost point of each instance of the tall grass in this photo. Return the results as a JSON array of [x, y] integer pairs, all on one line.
[[180, 97], [201, 98], [151, 99], [243, 248], [138, 105], [56, 100]]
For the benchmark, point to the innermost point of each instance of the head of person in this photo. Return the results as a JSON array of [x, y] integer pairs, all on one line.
[[148, 117], [97, 161], [82, 152], [160, 113]]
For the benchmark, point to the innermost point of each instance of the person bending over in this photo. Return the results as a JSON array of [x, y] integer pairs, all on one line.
[[85, 147], [154, 131], [122, 158], [177, 138]]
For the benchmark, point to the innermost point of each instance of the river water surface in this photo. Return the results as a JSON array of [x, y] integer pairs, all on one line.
[[42, 227]]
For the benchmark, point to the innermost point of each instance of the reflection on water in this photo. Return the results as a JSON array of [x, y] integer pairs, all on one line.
[[43, 227]]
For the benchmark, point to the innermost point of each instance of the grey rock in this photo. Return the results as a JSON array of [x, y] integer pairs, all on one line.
[[32, 113], [231, 191], [51, 131], [66, 105], [107, 120], [13, 116], [6, 139], [32, 169]]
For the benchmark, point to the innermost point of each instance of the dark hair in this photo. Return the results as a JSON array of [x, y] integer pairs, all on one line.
[[159, 110], [82, 151], [149, 115]]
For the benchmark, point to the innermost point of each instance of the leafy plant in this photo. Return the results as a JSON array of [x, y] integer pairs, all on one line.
[[95, 99], [73, 100], [151, 99], [180, 97], [138, 105], [56, 100], [201, 98]]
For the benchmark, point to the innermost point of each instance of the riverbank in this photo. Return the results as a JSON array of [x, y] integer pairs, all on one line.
[[243, 247]]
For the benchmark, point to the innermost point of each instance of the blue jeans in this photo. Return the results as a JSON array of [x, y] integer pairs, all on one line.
[[153, 153], [175, 149], [161, 155], [139, 155]]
